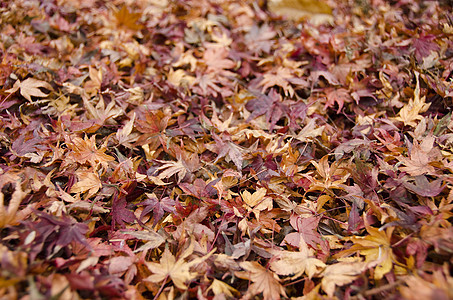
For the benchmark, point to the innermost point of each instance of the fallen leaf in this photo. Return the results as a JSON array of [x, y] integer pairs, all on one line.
[[263, 280], [295, 264], [376, 247], [340, 274], [30, 87], [178, 270]]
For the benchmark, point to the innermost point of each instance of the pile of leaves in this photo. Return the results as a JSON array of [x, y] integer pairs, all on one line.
[[220, 149]]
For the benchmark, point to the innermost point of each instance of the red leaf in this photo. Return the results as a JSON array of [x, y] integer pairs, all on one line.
[[120, 213]]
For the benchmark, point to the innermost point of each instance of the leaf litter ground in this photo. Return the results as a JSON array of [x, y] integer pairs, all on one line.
[[226, 149]]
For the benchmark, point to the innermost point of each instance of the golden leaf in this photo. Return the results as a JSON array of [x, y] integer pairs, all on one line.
[[124, 18], [376, 247]]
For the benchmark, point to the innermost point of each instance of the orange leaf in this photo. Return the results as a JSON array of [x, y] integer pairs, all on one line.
[[125, 18]]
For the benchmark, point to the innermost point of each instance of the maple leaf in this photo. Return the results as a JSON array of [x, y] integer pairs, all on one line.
[[421, 287], [257, 201], [158, 207], [120, 264], [306, 232], [421, 155], [412, 110], [200, 189], [424, 45], [270, 105], [263, 280], [391, 143], [85, 151], [185, 163], [423, 187], [30, 87], [32, 148], [154, 125], [216, 60], [339, 96], [51, 231], [100, 113], [88, 182], [123, 135], [332, 176], [120, 213], [153, 239], [315, 10], [310, 131], [376, 247], [126, 19], [72, 231], [178, 270], [340, 274], [224, 146], [180, 78], [208, 84], [281, 77], [296, 263], [93, 85], [192, 225], [258, 39]]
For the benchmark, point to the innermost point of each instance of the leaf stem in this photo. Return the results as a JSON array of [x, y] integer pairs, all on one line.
[[161, 288]]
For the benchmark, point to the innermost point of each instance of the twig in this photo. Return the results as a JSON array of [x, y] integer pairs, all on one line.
[[161, 288]]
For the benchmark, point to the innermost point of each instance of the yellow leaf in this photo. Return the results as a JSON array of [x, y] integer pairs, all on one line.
[[177, 270], [180, 78], [124, 134], [376, 247]]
